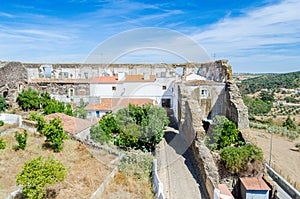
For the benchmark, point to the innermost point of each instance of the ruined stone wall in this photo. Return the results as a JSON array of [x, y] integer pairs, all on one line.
[[193, 132], [13, 80], [218, 71], [235, 109]]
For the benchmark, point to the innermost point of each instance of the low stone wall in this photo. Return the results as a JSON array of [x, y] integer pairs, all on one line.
[[156, 183], [283, 183], [11, 119]]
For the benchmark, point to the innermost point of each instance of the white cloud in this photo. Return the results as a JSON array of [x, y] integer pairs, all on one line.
[[259, 30]]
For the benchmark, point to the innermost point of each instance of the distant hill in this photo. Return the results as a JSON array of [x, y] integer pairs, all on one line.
[[270, 81]]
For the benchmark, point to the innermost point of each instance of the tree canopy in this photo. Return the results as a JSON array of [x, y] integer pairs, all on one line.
[[138, 127], [2, 104], [37, 174]]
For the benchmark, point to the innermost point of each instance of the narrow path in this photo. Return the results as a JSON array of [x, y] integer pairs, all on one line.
[[176, 169]]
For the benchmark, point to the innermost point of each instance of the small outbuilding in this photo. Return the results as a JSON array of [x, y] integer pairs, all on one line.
[[254, 188]]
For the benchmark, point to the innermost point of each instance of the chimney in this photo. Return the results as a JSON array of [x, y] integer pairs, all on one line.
[[121, 76], [146, 76]]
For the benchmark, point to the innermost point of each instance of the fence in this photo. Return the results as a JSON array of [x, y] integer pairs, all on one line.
[[157, 184], [283, 183]]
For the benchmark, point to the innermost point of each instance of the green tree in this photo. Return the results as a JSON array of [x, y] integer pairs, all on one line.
[[39, 173], [29, 100], [54, 133], [80, 113], [2, 104], [257, 106], [68, 110], [145, 123], [41, 122], [102, 132], [289, 123], [54, 106], [21, 139], [266, 96], [44, 99]]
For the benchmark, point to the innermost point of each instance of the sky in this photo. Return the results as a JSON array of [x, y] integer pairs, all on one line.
[[255, 36]]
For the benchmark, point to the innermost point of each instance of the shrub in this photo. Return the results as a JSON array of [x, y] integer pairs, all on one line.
[[1, 123], [237, 158], [2, 144], [37, 174], [54, 133], [224, 133], [21, 139]]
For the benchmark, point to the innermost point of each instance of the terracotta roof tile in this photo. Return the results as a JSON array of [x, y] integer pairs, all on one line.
[[254, 184], [224, 192], [71, 124], [117, 103], [105, 79], [139, 78]]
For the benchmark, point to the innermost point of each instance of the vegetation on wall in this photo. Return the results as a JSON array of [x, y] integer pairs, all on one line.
[[39, 173], [224, 133], [136, 127], [237, 158]]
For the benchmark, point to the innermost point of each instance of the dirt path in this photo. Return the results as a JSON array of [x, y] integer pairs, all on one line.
[[176, 170], [285, 161]]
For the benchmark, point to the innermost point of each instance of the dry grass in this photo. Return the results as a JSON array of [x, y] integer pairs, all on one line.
[[132, 181], [87, 168]]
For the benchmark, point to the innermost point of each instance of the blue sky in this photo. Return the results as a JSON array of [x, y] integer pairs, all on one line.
[[255, 36]]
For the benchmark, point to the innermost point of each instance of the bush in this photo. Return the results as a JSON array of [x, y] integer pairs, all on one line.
[[2, 144], [224, 133], [237, 158], [54, 133], [21, 139], [1, 123], [37, 174], [103, 130]]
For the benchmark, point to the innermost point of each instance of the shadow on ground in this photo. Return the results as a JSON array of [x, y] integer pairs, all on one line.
[[176, 141]]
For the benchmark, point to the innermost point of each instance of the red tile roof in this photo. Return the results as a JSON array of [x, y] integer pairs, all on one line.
[[72, 125], [253, 183], [224, 192], [139, 78], [109, 104], [105, 79]]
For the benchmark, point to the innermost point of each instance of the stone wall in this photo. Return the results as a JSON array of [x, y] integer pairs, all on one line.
[[13, 79], [218, 71], [235, 108], [194, 133]]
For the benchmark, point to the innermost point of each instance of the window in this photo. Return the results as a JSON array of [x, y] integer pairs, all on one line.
[[20, 88], [166, 103], [164, 87], [66, 75], [204, 93], [86, 75], [113, 88], [71, 92]]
